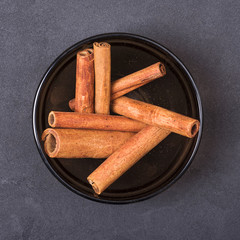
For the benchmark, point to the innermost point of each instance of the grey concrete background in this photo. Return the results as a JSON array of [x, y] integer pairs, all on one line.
[[204, 203]]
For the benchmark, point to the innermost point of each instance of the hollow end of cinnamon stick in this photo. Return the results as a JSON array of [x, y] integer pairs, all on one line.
[[87, 53], [162, 69], [51, 119], [102, 44], [83, 53], [194, 128], [51, 143]]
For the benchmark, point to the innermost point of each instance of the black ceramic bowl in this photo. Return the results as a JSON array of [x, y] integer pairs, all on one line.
[[176, 91]]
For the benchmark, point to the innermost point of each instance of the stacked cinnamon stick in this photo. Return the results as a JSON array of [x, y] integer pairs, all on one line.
[[91, 132]]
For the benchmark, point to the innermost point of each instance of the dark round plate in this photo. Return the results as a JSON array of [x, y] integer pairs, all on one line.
[[176, 91]]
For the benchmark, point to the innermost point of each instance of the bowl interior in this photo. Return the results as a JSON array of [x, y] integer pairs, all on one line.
[[176, 91]]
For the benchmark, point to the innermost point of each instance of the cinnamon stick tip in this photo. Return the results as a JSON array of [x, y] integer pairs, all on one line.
[[71, 104], [51, 119], [86, 54], [162, 69], [194, 128], [101, 44], [51, 144], [94, 186]]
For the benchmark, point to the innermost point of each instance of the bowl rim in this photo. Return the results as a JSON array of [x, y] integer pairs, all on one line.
[[132, 37]]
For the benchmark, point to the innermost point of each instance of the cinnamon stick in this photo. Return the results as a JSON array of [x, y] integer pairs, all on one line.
[[135, 80], [125, 157], [84, 93], [78, 143], [93, 121], [157, 116], [102, 65]]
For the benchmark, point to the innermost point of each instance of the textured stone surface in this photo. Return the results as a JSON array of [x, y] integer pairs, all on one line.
[[204, 203]]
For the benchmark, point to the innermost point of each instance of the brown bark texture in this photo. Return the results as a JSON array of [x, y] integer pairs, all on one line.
[[84, 92], [78, 143], [125, 157], [102, 66], [157, 116], [93, 121], [133, 81]]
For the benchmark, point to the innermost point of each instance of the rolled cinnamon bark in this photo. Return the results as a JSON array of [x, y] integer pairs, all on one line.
[[135, 80], [93, 121], [125, 157], [102, 65], [78, 143], [157, 116], [84, 93]]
